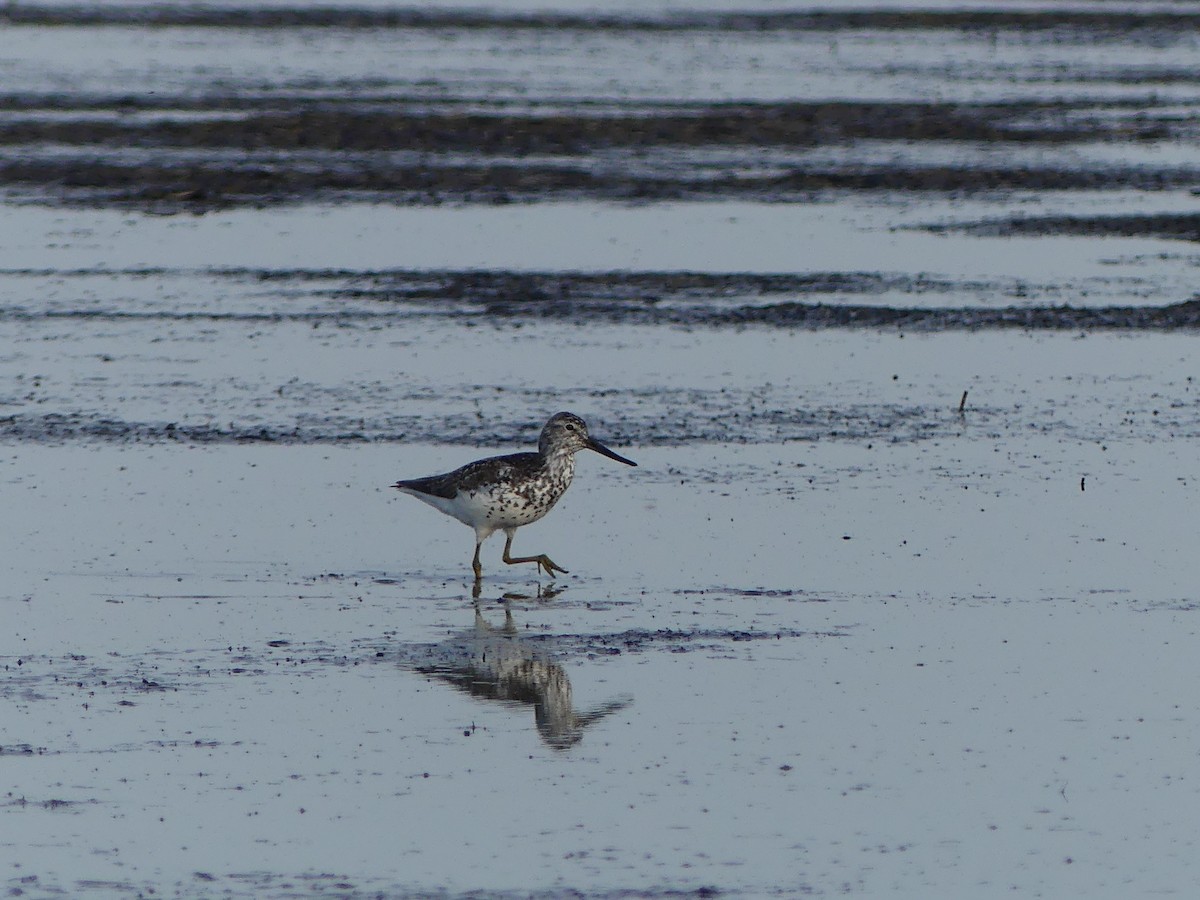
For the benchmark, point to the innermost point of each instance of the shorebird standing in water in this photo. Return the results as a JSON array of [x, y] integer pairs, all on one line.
[[502, 493]]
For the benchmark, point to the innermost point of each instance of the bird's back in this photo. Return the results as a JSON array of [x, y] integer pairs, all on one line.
[[495, 470]]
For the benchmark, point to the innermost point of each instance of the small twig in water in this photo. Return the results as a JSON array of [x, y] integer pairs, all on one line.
[[962, 404]]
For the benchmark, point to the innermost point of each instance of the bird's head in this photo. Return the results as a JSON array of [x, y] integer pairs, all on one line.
[[566, 432]]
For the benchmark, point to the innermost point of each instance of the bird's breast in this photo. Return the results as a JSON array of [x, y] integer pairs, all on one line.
[[519, 501]]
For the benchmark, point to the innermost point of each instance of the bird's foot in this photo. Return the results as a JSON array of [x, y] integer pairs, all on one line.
[[544, 562]]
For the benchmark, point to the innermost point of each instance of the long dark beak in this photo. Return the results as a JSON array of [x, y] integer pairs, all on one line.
[[593, 444]]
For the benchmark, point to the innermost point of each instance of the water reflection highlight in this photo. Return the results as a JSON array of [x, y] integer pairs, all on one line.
[[496, 663]]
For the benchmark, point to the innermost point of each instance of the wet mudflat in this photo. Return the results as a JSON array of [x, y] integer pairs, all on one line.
[[931, 665], [843, 630]]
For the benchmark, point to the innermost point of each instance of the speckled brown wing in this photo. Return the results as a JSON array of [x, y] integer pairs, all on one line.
[[495, 470]]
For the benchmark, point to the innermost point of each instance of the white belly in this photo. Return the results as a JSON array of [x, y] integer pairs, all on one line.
[[489, 510]]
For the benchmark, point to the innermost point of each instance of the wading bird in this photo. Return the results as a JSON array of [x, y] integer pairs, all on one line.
[[502, 493]]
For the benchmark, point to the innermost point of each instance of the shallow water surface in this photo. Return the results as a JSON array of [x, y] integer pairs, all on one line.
[[893, 307], [757, 683]]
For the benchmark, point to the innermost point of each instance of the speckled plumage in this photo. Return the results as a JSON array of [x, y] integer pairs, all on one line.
[[502, 493]]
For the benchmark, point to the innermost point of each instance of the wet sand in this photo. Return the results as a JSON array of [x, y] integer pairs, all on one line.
[[291, 105], [895, 310]]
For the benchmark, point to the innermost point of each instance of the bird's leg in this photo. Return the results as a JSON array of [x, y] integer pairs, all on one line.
[[542, 560], [475, 564]]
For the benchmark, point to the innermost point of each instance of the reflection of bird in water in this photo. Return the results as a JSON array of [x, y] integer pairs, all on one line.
[[502, 493], [496, 664]]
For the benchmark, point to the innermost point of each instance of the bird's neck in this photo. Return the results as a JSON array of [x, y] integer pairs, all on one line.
[[560, 464]]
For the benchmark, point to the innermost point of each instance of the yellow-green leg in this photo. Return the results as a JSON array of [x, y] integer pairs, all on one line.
[[542, 560]]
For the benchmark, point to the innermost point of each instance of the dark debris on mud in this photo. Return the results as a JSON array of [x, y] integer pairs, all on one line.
[[419, 157], [734, 299], [737, 299], [700, 299], [344, 124], [668, 298], [639, 640], [300, 413], [55, 428], [338, 140], [377, 139], [709, 425], [1171, 226], [1117, 21]]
